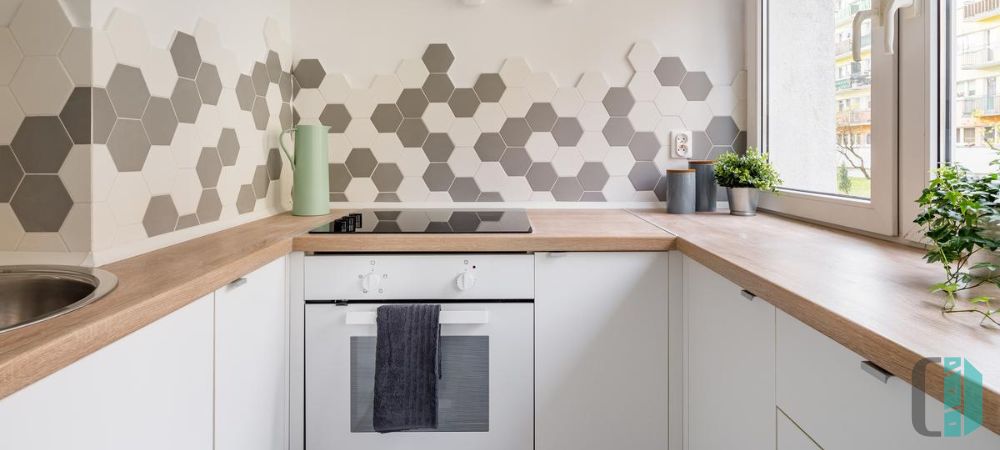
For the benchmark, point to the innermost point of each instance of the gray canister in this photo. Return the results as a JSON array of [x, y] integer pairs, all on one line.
[[705, 187], [680, 191]]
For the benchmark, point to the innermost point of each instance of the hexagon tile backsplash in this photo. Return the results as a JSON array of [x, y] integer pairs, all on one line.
[[515, 135]]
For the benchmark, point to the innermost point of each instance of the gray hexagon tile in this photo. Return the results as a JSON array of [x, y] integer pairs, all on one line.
[[128, 91], [161, 216], [186, 100], [593, 176], [340, 177], [229, 148], [336, 117], [644, 146], [11, 173], [516, 132], [41, 144], [567, 189], [261, 182], [438, 147], [128, 145], [490, 87], [261, 80], [261, 114], [245, 200], [412, 132], [464, 102], [76, 115], [412, 103], [209, 206], [619, 101], [696, 86], [618, 131], [41, 203], [438, 87], [209, 167], [160, 121], [387, 118], [309, 73], [245, 93], [387, 177], [187, 57], [274, 164], [567, 131], [541, 176], [438, 58], [103, 116], [361, 162], [644, 176], [541, 117], [438, 177], [670, 71], [490, 147], [722, 130], [209, 84], [273, 64], [515, 162], [464, 189]]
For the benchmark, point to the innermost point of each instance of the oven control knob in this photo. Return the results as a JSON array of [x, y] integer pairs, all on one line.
[[370, 282], [465, 281]]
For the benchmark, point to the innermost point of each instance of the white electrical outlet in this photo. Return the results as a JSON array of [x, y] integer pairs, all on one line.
[[682, 143]]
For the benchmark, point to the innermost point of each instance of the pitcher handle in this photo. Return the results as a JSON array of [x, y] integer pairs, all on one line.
[[281, 143]]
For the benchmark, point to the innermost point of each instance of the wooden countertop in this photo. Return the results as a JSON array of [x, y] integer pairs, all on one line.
[[869, 295]]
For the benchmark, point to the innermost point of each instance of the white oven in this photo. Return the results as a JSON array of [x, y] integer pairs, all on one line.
[[486, 390]]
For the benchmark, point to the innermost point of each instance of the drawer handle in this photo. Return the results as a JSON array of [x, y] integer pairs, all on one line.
[[446, 318], [748, 295], [876, 371], [238, 282]]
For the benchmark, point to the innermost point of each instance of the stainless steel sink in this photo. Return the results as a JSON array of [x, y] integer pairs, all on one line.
[[31, 294]]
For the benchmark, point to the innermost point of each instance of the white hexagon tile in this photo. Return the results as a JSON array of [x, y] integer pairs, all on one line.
[[517, 135]]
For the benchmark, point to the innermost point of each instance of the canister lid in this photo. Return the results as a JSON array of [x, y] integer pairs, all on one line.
[[701, 161], [680, 170]]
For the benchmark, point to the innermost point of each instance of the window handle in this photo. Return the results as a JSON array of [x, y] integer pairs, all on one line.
[[889, 19], [885, 12], [859, 19]]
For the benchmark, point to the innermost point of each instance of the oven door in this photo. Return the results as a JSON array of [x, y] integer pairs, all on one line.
[[486, 391]]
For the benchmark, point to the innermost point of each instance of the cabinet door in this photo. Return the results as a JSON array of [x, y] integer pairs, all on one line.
[[251, 362], [791, 437], [730, 364], [150, 390], [822, 387], [600, 351]]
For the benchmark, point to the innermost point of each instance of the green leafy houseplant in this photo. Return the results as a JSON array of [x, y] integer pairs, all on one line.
[[960, 217], [748, 170]]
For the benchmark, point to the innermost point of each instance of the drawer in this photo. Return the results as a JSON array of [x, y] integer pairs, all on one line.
[[823, 389]]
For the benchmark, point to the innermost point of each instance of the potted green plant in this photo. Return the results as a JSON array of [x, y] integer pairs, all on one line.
[[744, 175], [960, 213]]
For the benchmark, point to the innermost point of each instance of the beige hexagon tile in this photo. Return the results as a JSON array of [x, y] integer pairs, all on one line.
[[490, 117], [186, 191], [339, 147], [361, 190], [42, 242], [722, 100], [567, 102], [567, 162], [229, 69], [490, 177], [412, 162], [186, 146], [619, 161], [76, 229], [593, 146], [739, 114], [159, 170], [41, 27], [209, 43], [438, 197], [76, 56], [593, 116], [644, 86], [464, 162], [644, 56], [228, 187], [516, 102], [516, 189], [644, 116], [209, 125], [464, 132], [542, 87], [276, 39], [412, 73], [739, 85], [103, 226], [386, 88], [10, 56], [335, 88], [593, 86], [310, 103], [515, 72], [438, 117], [104, 59], [128, 198], [542, 197], [670, 101], [387, 148], [618, 189], [128, 37], [413, 189], [103, 173], [10, 115], [541, 147], [229, 109], [129, 234], [159, 72], [665, 128], [696, 115], [41, 85], [361, 133], [11, 231], [361, 103]]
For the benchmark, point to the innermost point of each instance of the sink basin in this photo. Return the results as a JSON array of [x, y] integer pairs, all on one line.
[[31, 294]]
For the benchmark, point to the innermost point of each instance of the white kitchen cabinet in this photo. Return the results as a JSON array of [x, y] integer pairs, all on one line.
[[729, 356], [600, 351], [251, 361], [791, 437], [149, 390], [822, 388]]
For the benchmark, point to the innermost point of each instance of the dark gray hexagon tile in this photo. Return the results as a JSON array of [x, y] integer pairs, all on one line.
[[438, 177], [245, 93], [209, 167], [76, 116], [644, 146], [41, 144], [490, 147], [696, 86], [229, 147], [261, 81], [438, 88], [490, 197], [464, 189], [438, 147], [187, 221], [618, 102], [128, 91], [285, 86], [644, 176], [161, 216], [261, 114], [104, 116], [273, 64], [260, 182], [274, 164], [340, 177], [128, 145], [245, 200], [186, 100], [285, 116], [722, 130], [335, 116], [160, 121], [490, 87], [618, 131], [309, 73], [387, 177], [661, 189], [567, 189], [438, 58], [515, 162], [567, 131], [387, 197], [209, 84], [387, 118], [412, 103], [11, 173], [593, 197], [701, 145], [593, 176], [515, 132], [412, 132], [41, 203], [187, 58], [209, 206], [464, 102], [337, 197], [361, 162], [718, 151], [740, 144], [541, 117], [670, 71], [541, 177]]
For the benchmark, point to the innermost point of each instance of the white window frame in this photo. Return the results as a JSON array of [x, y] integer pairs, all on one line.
[[907, 137]]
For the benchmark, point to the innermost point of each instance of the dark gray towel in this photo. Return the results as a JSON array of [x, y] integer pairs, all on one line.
[[406, 368]]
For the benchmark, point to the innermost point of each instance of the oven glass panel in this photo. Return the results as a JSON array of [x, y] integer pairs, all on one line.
[[463, 390]]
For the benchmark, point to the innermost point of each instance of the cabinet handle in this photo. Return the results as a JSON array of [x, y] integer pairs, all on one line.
[[748, 295], [876, 371], [238, 282]]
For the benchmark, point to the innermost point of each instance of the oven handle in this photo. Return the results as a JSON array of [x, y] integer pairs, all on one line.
[[446, 318]]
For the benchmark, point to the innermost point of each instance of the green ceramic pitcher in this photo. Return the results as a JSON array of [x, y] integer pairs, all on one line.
[[310, 169]]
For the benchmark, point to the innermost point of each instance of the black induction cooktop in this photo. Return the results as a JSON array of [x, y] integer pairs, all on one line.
[[443, 221]]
